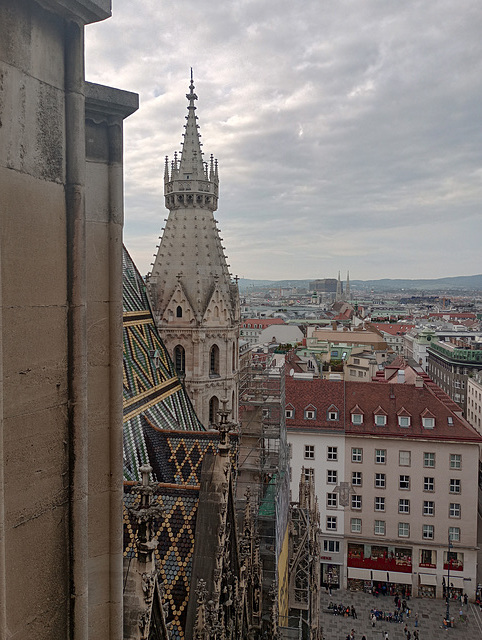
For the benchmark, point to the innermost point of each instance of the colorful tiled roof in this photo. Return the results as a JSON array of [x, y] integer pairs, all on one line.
[[174, 530], [153, 393]]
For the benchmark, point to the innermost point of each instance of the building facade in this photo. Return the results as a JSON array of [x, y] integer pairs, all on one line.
[[194, 299], [451, 362], [394, 468]]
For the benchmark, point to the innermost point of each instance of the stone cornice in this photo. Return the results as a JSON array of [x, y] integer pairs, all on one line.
[[85, 11], [102, 102]]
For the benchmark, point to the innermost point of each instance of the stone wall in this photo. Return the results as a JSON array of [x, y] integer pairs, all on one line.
[[60, 295]]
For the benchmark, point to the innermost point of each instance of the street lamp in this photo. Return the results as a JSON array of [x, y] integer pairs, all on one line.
[[447, 599]]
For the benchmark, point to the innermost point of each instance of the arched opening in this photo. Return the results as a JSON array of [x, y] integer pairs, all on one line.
[[213, 410], [179, 311], [214, 361], [234, 356], [180, 359], [234, 412]]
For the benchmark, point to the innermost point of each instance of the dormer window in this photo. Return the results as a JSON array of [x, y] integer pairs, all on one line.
[[380, 420], [403, 421], [357, 418], [332, 413], [310, 414], [290, 412], [428, 423], [450, 421]]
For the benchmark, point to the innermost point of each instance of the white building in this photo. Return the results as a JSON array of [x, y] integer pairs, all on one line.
[[394, 470]]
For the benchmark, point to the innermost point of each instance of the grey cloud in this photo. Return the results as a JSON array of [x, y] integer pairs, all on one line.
[[348, 133]]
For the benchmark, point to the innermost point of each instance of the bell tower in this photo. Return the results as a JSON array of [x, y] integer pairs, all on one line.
[[194, 298]]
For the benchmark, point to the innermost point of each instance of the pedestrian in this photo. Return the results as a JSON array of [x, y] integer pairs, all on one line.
[[352, 634], [416, 622], [405, 629], [466, 600], [415, 635], [374, 619], [386, 635], [353, 612], [363, 637], [409, 635]]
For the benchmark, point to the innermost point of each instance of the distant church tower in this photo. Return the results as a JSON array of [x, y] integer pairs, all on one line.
[[195, 301], [339, 290], [347, 289]]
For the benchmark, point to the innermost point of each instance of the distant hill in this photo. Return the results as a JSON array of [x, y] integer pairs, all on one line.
[[468, 283]]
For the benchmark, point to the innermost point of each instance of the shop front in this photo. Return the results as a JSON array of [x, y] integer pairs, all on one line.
[[390, 567], [330, 575], [456, 588], [359, 579], [427, 585], [401, 583]]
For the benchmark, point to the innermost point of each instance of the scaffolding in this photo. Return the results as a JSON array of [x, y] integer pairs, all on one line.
[[263, 461]]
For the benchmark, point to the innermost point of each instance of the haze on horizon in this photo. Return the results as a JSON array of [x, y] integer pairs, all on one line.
[[348, 134]]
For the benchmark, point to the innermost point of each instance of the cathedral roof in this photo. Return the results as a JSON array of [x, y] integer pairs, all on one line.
[[153, 393], [176, 458], [175, 532]]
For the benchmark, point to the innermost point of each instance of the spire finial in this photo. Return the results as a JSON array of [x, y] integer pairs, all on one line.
[[191, 96]]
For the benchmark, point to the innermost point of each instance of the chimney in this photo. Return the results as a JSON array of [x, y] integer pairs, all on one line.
[[401, 376], [419, 382]]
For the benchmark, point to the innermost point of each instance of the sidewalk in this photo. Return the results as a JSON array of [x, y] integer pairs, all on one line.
[[430, 618]]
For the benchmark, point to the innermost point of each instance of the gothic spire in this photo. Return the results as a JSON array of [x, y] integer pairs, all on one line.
[[191, 156]]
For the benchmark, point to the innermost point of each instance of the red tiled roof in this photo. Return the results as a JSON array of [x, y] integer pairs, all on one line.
[[368, 398], [260, 322], [393, 328]]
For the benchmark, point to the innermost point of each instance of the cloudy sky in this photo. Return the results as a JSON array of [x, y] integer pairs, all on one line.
[[348, 132]]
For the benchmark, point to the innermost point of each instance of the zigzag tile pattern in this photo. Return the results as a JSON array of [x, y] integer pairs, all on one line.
[[175, 531], [153, 393]]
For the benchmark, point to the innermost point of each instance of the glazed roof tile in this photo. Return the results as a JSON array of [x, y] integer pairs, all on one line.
[[153, 393], [174, 530]]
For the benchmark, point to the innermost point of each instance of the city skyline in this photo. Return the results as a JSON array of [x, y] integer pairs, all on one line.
[[348, 138]]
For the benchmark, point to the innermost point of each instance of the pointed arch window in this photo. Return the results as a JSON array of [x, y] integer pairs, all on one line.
[[180, 359], [213, 410], [179, 311], [214, 361]]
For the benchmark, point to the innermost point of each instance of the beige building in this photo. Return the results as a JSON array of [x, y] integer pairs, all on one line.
[[195, 301], [394, 467], [410, 495], [60, 328]]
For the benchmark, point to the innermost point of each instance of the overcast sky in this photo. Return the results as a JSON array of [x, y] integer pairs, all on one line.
[[348, 132]]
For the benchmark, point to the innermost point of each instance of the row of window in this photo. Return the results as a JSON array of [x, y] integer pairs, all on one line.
[[379, 419], [404, 458], [380, 480], [179, 357], [380, 529], [428, 507], [331, 452]]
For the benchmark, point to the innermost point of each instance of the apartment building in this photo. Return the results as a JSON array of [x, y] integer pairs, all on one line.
[[394, 468], [451, 362]]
